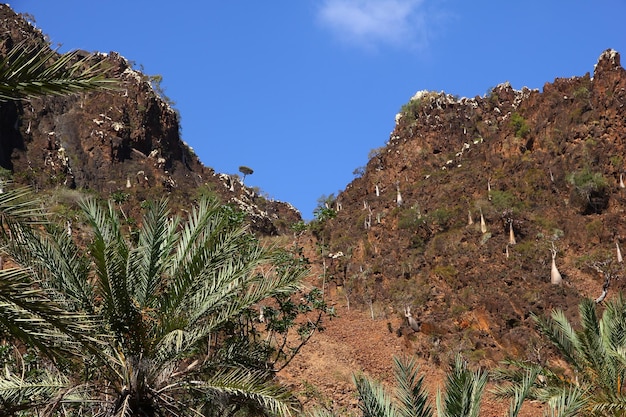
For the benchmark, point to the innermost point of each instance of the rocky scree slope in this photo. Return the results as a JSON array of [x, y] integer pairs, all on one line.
[[545, 166], [125, 142]]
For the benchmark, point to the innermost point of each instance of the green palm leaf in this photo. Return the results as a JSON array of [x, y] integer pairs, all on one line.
[[17, 393], [18, 208], [243, 386], [30, 315], [562, 335], [374, 401], [569, 403], [463, 392], [33, 71], [410, 391]]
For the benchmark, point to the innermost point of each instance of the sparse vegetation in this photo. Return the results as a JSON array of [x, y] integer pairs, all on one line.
[[520, 125], [589, 190]]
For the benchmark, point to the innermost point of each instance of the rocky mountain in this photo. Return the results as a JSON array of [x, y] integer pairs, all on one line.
[[125, 143], [464, 216], [458, 216]]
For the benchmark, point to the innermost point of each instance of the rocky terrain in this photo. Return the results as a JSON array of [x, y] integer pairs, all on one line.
[[125, 143], [458, 217]]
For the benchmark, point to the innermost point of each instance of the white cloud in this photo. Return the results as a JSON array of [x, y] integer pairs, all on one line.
[[372, 23]]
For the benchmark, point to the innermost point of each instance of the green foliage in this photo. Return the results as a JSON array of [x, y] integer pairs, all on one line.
[[445, 272], [617, 161], [410, 218], [324, 211], [359, 171], [156, 81], [589, 190], [464, 390], [503, 200], [462, 396], [119, 197], [299, 227], [5, 174], [34, 71], [442, 217], [245, 171], [410, 111], [162, 316], [519, 124], [582, 93], [595, 354], [492, 96], [410, 399], [587, 181]]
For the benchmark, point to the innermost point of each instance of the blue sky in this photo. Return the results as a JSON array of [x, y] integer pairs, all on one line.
[[301, 90]]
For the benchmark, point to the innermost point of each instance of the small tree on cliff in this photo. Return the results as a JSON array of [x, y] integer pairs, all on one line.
[[245, 171]]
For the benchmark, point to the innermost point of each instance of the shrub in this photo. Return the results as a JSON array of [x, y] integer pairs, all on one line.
[[520, 125], [445, 272], [411, 109], [589, 191], [502, 200], [410, 219]]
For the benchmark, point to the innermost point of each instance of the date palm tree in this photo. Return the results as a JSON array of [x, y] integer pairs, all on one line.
[[461, 398], [29, 312], [595, 352], [163, 297]]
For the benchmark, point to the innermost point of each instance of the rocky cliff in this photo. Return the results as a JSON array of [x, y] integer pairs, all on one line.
[[458, 215], [125, 142]]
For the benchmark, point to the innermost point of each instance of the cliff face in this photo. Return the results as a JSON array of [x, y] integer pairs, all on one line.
[[542, 166], [545, 166], [123, 141]]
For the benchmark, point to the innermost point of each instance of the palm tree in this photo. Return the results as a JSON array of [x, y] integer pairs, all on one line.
[[164, 299], [29, 313], [464, 390], [593, 385], [461, 398]]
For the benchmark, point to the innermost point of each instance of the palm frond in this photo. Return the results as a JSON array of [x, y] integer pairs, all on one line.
[[208, 241], [615, 405], [29, 314], [110, 253], [19, 207], [592, 349], [411, 394], [242, 386], [613, 324], [562, 335], [522, 391], [149, 260], [374, 401], [569, 403], [463, 391], [17, 393], [56, 263], [34, 71]]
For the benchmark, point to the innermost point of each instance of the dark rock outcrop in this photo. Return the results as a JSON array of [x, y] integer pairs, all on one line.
[[114, 141]]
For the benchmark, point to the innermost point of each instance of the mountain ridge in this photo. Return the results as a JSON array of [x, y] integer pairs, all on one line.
[[427, 225], [125, 143]]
